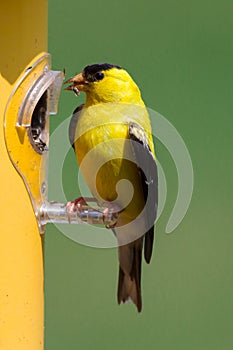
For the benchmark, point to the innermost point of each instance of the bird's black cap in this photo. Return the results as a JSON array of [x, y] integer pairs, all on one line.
[[92, 71]]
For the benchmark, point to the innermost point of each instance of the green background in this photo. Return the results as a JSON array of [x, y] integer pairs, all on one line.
[[180, 53]]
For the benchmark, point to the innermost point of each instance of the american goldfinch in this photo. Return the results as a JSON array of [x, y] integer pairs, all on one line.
[[111, 136]]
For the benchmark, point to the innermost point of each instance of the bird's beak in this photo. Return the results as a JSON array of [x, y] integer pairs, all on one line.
[[78, 83]]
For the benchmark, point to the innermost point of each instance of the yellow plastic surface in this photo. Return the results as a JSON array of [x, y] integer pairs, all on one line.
[[30, 164], [24, 28]]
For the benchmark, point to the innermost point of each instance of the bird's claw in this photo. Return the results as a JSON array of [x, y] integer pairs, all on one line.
[[77, 206], [74, 206]]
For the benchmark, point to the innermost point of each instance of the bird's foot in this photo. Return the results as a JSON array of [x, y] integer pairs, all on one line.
[[111, 210], [77, 205]]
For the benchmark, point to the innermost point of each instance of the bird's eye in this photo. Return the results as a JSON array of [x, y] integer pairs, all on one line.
[[99, 76]]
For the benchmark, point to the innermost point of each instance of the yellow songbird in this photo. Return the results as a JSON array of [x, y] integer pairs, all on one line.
[[111, 136]]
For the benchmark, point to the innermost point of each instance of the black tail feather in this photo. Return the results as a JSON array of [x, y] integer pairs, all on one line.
[[129, 284]]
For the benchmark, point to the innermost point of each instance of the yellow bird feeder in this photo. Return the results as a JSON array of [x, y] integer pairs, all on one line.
[[29, 93], [27, 88]]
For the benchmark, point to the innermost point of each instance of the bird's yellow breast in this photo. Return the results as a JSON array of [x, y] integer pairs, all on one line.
[[102, 123], [104, 153]]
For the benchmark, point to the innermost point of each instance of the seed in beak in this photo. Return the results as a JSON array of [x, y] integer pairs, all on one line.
[[76, 91]]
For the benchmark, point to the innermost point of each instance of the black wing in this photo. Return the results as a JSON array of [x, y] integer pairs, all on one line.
[[73, 124], [149, 179]]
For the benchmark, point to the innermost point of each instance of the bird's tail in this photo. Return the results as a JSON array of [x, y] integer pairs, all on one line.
[[129, 283]]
